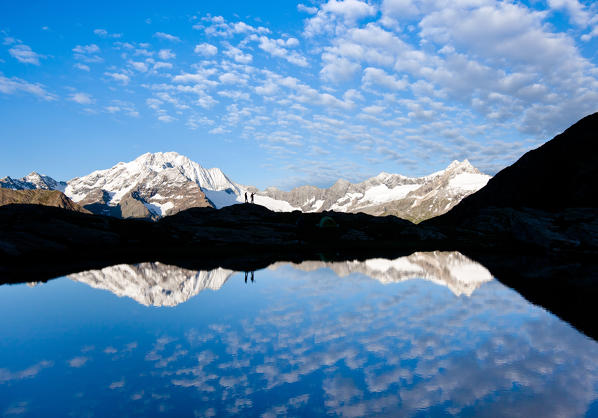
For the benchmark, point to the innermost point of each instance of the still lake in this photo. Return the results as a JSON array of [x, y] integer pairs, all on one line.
[[431, 334]]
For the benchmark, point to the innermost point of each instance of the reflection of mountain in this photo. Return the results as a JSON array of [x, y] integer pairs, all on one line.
[[154, 284], [157, 284], [451, 269]]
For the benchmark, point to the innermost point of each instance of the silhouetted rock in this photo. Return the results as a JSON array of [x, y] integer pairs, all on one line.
[[546, 201], [562, 173]]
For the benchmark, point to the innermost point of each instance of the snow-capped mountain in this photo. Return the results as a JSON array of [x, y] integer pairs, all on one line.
[[451, 269], [153, 185], [32, 181], [161, 184], [416, 198], [153, 284]]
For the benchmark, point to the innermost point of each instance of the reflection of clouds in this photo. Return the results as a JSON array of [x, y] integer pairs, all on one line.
[[412, 349], [118, 384], [316, 344], [18, 408], [30, 372], [78, 361]]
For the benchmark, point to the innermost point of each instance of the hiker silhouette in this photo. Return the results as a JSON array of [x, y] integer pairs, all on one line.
[[245, 197], [252, 197]]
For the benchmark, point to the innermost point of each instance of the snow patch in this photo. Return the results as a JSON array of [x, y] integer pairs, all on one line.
[[468, 181]]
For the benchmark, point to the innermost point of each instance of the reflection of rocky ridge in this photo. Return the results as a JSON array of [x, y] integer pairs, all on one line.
[[451, 269], [154, 284]]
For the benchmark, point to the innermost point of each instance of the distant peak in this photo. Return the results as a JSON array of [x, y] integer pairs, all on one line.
[[341, 182], [460, 164], [383, 175]]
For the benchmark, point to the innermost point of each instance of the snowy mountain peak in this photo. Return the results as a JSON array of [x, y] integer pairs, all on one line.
[[32, 181], [163, 183], [464, 165]]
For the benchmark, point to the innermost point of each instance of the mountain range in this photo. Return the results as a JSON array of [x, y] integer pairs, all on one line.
[[162, 184]]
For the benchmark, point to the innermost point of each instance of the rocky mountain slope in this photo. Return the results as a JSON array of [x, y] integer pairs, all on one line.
[[38, 197], [153, 284], [32, 181], [409, 198], [152, 186]]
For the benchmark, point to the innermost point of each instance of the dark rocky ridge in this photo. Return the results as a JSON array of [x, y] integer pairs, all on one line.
[[562, 173]]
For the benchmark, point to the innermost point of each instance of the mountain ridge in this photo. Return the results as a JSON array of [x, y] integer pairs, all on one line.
[[161, 184]]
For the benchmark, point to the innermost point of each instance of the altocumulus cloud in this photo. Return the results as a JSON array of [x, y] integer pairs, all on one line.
[[397, 85]]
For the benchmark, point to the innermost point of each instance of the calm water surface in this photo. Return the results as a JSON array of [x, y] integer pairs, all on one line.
[[431, 334]]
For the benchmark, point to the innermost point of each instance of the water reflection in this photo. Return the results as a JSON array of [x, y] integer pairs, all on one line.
[[298, 341], [451, 269], [159, 284], [154, 284]]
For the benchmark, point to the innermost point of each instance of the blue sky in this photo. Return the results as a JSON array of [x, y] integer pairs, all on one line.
[[286, 93]]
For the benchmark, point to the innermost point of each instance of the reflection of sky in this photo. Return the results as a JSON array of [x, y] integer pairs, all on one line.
[[292, 343]]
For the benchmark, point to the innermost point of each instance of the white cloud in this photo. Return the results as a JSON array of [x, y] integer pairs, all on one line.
[[86, 53], [338, 69], [201, 77], [25, 54], [119, 106], [166, 54], [159, 65], [574, 8], [103, 33], [218, 130], [82, 98], [267, 89], [139, 66], [123, 78], [350, 10], [86, 49], [276, 48], [78, 361], [14, 85], [303, 8], [166, 118], [9, 40], [378, 77], [167, 37], [231, 78], [206, 49], [374, 109], [592, 34], [238, 55], [217, 26], [399, 9], [82, 66]]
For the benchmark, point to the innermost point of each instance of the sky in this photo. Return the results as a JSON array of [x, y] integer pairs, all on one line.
[[283, 93]]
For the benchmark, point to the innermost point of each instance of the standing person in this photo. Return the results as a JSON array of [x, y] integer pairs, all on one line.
[[252, 197], [245, 197]]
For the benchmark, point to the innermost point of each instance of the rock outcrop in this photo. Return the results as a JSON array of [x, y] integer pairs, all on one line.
[[38, 197]]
